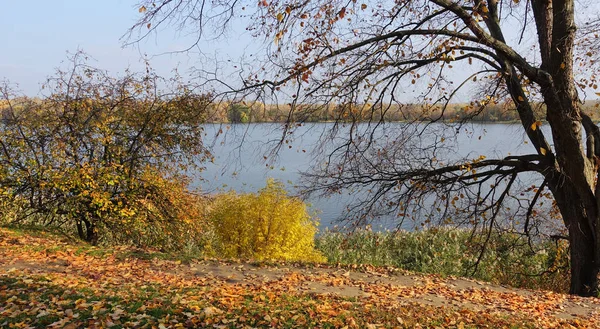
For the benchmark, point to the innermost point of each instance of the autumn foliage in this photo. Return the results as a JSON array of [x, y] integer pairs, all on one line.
[[370, 59], [100, 157], [264, 225]]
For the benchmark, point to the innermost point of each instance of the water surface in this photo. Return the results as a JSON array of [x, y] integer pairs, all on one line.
[[240, 153]]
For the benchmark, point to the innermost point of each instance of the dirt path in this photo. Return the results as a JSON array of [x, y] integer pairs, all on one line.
[[424, 289]]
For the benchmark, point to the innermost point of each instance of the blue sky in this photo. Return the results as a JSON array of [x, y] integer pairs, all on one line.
[[36, 36]]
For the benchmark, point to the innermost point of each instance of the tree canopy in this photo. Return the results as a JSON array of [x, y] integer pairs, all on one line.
[[367, 57], [103, 155]]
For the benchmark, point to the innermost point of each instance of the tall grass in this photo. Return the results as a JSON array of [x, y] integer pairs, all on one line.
[[507, 259]]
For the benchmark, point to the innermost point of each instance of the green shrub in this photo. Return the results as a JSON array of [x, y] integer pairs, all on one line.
[[265, 225], [508, 258]]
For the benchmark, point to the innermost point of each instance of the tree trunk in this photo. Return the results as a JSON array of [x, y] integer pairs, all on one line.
[[571, 171], [91, 233], [574, 191], [80, 230], [584, 267], [583, 247]]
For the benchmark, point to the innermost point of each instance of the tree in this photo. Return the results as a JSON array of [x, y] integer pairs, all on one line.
[[103, 155], [366, 54], [239, 114]]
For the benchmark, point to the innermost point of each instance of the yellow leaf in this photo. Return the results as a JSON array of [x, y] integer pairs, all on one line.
[[142, 9], [278, 37], [149, 25], [562, 66], [521, 99], [280, 17], [542, 151], [363, 6], [536, 125]]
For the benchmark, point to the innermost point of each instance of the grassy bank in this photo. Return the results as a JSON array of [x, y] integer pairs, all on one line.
[[507, 259]]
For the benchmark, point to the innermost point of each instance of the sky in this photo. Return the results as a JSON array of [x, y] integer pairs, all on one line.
[[36, 36]]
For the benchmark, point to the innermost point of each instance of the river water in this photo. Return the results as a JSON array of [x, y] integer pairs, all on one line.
[[241, 149]]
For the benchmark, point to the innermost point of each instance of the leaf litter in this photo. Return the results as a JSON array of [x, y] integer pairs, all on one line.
[[49, 282]]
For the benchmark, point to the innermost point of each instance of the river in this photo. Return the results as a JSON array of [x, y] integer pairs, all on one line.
[[240, 150]]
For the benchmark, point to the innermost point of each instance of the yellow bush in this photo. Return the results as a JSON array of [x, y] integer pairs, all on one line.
[[264, 225]]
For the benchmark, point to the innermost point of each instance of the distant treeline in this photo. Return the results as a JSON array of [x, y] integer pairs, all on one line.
[[258, 112], [243, 112]]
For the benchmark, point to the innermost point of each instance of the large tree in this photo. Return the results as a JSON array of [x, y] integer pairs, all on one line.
[[364, 57]]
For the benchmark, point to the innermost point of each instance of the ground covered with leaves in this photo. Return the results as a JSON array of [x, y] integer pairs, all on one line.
[[47, 281]]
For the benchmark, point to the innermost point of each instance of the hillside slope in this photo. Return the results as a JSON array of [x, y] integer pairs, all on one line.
[[48, 281]]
